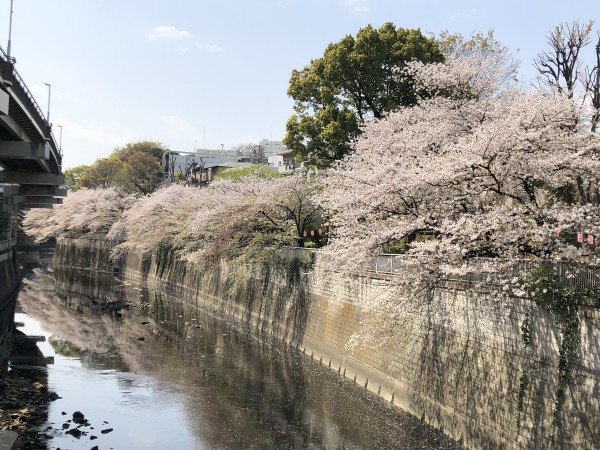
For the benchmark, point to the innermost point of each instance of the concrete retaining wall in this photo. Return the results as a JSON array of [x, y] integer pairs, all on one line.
[[459, 365]]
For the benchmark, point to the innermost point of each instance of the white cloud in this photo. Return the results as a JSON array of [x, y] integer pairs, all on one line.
[[358, 6], [464, 14], [167, 32], [211, 48]]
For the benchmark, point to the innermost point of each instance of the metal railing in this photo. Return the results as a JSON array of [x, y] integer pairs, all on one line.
[[568, 274]]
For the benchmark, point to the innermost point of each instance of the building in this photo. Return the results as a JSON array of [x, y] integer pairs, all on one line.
[[271, 148]]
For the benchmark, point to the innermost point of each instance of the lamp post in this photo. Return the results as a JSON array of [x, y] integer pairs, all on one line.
[[49, 92], [9, 30], [60, 139]]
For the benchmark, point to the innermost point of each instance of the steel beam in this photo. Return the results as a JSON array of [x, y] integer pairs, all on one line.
[[36, 199], [28, 178], [24, 150], [36, 206], [41, 191]]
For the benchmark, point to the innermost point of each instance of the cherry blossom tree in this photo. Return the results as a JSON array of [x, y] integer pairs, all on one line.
[[253, 218], [471, 178], [89, 212], [160, 217], [248, 219]]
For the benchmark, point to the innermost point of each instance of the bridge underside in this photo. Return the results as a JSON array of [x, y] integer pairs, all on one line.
[[30, 162]]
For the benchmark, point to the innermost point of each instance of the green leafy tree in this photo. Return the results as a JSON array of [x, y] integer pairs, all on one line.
[[134, 168], [356, 79], [73, 176], [151, 148], [140, 174], [104, 173]]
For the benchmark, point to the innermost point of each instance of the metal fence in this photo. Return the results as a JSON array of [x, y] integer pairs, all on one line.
[[568, 274]]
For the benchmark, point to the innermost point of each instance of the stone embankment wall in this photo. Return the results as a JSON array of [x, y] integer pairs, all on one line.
[[460, 365], [8, 286]]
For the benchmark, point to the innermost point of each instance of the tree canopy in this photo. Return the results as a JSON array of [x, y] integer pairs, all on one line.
[[73, 176], [356, 79], [134, 168]]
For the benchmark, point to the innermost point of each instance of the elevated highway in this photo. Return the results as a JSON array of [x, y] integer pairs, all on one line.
[[30, 161]]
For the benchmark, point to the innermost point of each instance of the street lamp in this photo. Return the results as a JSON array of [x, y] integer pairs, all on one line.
[[60, 139], [49, 92], [9, 30]]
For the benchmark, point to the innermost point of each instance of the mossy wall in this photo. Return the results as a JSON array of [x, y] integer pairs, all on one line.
[[461, 366]]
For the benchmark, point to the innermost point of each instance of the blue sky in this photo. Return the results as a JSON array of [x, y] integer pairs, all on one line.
[[193, 73]]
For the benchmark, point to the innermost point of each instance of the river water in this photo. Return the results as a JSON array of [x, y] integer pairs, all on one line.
[[149, 371]]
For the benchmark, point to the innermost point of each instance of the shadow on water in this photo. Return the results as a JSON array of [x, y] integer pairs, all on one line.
[[238, 389]]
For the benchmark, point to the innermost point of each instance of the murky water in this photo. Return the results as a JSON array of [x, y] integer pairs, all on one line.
[[160, 374]]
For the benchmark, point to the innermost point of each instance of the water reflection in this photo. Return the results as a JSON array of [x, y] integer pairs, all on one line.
[[163, 374]]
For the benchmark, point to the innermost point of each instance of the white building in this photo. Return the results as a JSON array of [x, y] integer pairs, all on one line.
[[271, 148]]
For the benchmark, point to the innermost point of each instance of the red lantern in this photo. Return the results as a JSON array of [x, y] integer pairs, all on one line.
[[590, 239], [305, 234], [580, 238], [320, 232], [312, 232], [557, 234]]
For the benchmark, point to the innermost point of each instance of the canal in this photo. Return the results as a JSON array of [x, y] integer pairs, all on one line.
[[149, 371]]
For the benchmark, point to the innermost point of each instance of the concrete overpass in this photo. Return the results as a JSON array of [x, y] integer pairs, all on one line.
[[30, 161], [30, 177]]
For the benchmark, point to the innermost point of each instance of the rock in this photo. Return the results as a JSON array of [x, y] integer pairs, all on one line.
[[78, 417], [75, 432], [105, 431], [93, 438]]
